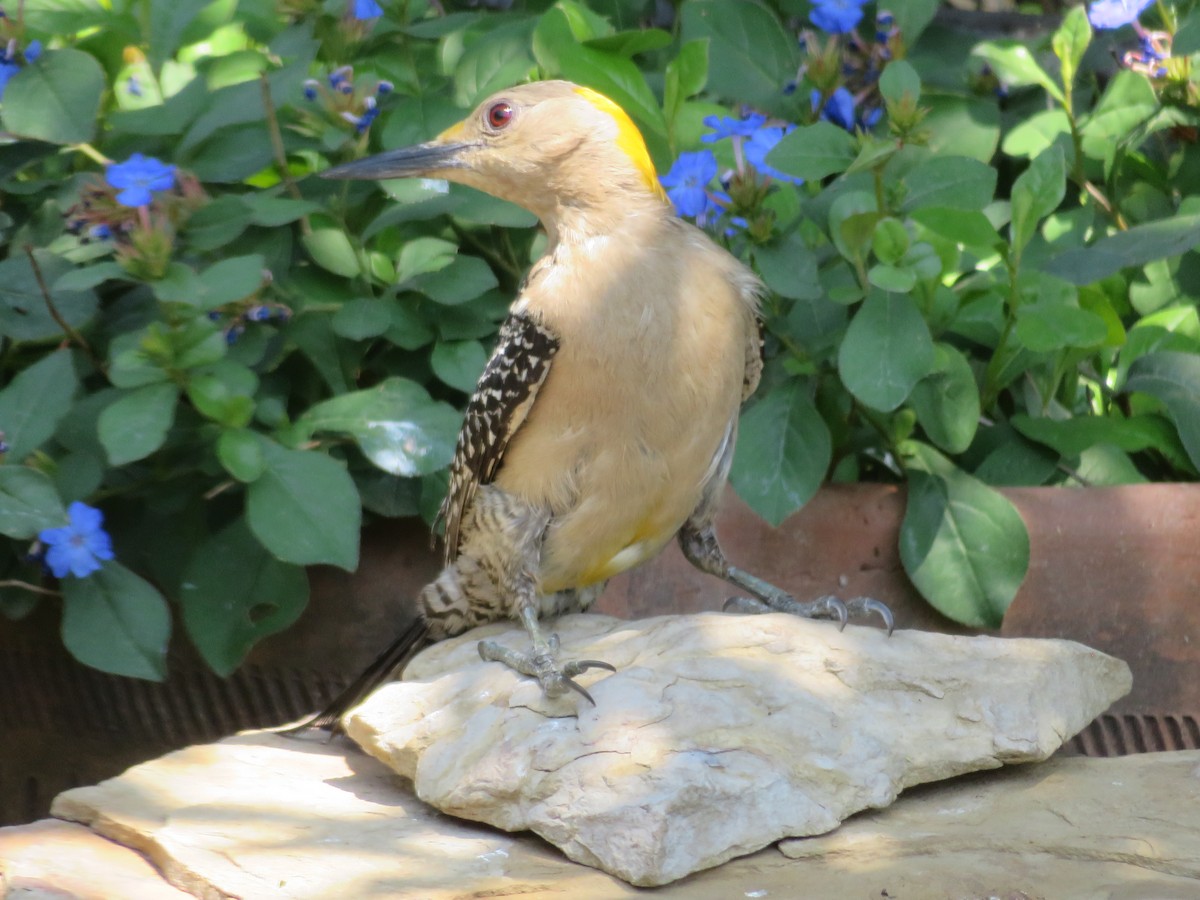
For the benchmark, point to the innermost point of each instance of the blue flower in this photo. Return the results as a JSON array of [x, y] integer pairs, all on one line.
[[1105, 14], [760, 144], [838, 109], [726, 127], [687, 182], [133, 86], [366, 9], [32, 51], [79, 546], [837, 16], [7, 71], [137, 177]]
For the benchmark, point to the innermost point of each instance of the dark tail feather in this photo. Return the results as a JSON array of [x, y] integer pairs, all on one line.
[[396, 655]]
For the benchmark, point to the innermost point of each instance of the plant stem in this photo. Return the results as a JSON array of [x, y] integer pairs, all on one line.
[[277, 148], [66, 326], [26, 586]]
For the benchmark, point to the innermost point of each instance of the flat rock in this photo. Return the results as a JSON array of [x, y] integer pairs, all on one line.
[[719, 734], [259, 816]]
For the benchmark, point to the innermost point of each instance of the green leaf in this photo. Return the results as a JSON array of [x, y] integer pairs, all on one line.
[[271, 212], [1071, 437], [1037, 193], [946, 401], [813, 151], [87, 277], [788, 267], [1070, 42], [967, 227], [890, 241], [1174, 379], [1128, 101], [961, 126], [892, 278], [963, 544], [686, 76], [1031, 136], [886, 351], [305, 508], [241, 454], [463, 279], [951, 182], [224, 392], [331, 249], [116, 622], [218, 223], [234, 594], [137, 424], [362, 318], [55, 98], [1015, 66], [397, 425], [899, 80], [852, 218], [1047, 326], [233, 278], [459, 363], [24, 315], [168, 22], [28, 503], [750, 54], [782, 454], [1138, 246], [912, 17], [35, 401], [494, 62]]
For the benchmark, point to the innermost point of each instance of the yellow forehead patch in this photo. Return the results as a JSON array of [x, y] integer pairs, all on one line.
[[629, 139]]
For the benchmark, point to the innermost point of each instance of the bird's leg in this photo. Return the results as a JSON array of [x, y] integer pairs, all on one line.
[[541, 662], [699, 544]]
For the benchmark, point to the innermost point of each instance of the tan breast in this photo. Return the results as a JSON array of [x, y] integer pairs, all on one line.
[[653, 330]]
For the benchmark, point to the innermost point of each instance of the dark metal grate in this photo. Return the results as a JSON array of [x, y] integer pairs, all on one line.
[[1122, 735]]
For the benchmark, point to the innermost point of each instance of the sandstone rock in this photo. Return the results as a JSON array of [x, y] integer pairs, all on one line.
[[258, 817], [721, 734]]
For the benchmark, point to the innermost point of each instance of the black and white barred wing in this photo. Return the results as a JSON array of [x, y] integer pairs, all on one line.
[[502, 399]]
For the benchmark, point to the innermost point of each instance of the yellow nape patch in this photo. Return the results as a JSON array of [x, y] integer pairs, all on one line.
[[629, 139], [454, 132]]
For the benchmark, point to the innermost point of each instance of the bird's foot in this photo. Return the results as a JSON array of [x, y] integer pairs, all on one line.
[[828, 607], [542, 663]]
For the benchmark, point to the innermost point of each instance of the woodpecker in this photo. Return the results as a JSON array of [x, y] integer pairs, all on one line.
[[603, 425]]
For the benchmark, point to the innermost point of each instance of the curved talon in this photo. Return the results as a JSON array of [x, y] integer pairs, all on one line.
[[579, 666], [578, 688], [867, 605], [834, 609], [748, 605]]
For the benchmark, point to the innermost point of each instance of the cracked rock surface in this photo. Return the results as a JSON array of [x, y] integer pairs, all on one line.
[[719, 734]]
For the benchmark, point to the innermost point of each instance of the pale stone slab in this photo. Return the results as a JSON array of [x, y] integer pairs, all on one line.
[[720, 734], [1123, 829], [51, 860]]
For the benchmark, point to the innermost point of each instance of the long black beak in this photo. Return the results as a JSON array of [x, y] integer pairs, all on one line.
[[423, 159]]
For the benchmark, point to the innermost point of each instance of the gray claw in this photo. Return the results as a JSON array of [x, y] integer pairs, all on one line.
[[579, 666], [830, 608], [749, 605], [868, 605], [578, 688]]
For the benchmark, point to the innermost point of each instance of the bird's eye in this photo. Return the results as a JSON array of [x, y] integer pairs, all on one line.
[[499, 115]]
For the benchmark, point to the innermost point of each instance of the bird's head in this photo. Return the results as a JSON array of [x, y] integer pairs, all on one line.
[[550, 147]]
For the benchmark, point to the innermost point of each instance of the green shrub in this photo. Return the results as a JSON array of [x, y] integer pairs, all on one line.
[[979, 262]]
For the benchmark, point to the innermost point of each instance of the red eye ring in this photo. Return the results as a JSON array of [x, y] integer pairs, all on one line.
[[499, 114]]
